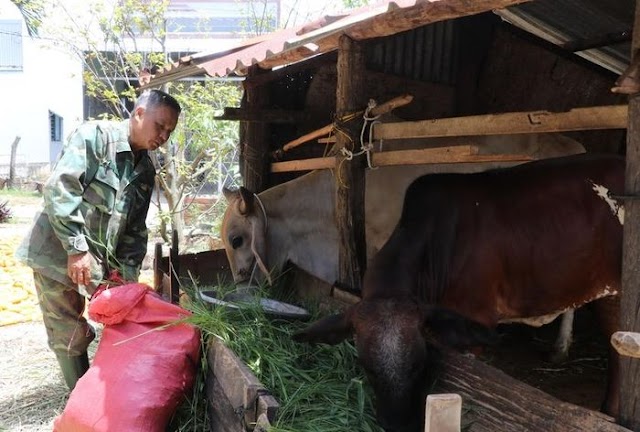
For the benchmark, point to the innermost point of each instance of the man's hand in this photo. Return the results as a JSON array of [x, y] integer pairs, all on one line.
[[79, 268]]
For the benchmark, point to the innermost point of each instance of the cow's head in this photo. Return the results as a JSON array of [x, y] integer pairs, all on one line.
[[398, 347], [243, 233]]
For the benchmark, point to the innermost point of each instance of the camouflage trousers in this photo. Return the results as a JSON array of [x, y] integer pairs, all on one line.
[[62, 312]]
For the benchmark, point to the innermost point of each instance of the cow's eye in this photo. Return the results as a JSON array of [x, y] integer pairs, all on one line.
[[236, 242]]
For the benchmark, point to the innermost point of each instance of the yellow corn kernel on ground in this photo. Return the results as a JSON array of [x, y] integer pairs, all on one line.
[[18, 299]]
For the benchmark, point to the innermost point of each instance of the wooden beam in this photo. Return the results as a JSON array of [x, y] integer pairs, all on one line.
[[443, 413], [630, 295], [350, 173], [439, 155], [308, 137], [600, 117], [390, 105], [304, 165], [495, 402], [239, 386], [261, 115]]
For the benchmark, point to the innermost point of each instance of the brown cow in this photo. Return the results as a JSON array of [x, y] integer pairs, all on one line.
[[521, 244]]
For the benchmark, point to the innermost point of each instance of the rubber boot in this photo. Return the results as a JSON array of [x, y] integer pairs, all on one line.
[[73, 367]]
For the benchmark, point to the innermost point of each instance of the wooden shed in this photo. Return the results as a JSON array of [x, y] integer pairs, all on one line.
[[486, 67]]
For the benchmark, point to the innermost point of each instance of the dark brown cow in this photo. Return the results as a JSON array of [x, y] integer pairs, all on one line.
[[470, 251]]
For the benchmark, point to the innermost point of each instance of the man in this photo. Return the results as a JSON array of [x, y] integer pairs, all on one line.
[[93, 220]]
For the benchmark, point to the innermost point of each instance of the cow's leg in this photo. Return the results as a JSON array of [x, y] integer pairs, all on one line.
[[565, 336], [607, 313]]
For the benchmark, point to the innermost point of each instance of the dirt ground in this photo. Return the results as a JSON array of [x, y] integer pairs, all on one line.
[[32, 392], [523, 353]]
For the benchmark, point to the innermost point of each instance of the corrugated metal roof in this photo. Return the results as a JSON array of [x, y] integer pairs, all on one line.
[[561, 22], [293, 45], [579, 24]]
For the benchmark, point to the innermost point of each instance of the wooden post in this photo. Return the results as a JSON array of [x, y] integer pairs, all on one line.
[[158, 274], [626, 343], [443, 413], [174, 269], [630, 296], [254, 142], [12, 163], [350, 173]]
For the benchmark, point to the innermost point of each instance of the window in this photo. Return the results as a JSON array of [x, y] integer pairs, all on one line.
[[55, 123], [55, 136], [10, 45]]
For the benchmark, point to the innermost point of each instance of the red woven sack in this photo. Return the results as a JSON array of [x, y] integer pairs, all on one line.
[[142, 369]]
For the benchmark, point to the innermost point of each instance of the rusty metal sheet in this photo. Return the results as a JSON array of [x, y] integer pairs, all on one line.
[[293, 45]]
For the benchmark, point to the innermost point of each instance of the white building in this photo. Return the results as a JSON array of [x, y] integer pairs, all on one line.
[[42, 84], [42, 94]]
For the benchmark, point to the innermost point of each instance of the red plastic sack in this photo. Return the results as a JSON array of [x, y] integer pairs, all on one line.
[[142, 368]]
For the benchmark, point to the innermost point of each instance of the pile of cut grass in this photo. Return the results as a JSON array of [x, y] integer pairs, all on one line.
[[319, 388]]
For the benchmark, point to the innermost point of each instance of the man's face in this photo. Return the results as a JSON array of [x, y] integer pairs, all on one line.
[[151, 128]]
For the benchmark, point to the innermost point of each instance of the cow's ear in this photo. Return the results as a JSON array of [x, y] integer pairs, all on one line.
[[330, 330], [245, 205], [230, 195], [454, 330]]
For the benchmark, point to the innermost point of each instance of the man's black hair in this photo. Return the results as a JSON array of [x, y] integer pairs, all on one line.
[[154, 98]]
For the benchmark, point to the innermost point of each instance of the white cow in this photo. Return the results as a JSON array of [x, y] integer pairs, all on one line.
[[295, 221]]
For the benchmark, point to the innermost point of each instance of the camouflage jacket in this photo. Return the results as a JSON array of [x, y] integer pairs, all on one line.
[[96, 199]]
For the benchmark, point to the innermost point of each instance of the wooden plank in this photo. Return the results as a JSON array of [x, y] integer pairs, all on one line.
[[349, 176], [206, 267], [222, 416], [454, 154], [494, 401], [308, 137], [630, 295], [443, 413], [240, 386], [267, 409], [303, 164], [425, 156], [601, 117]]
